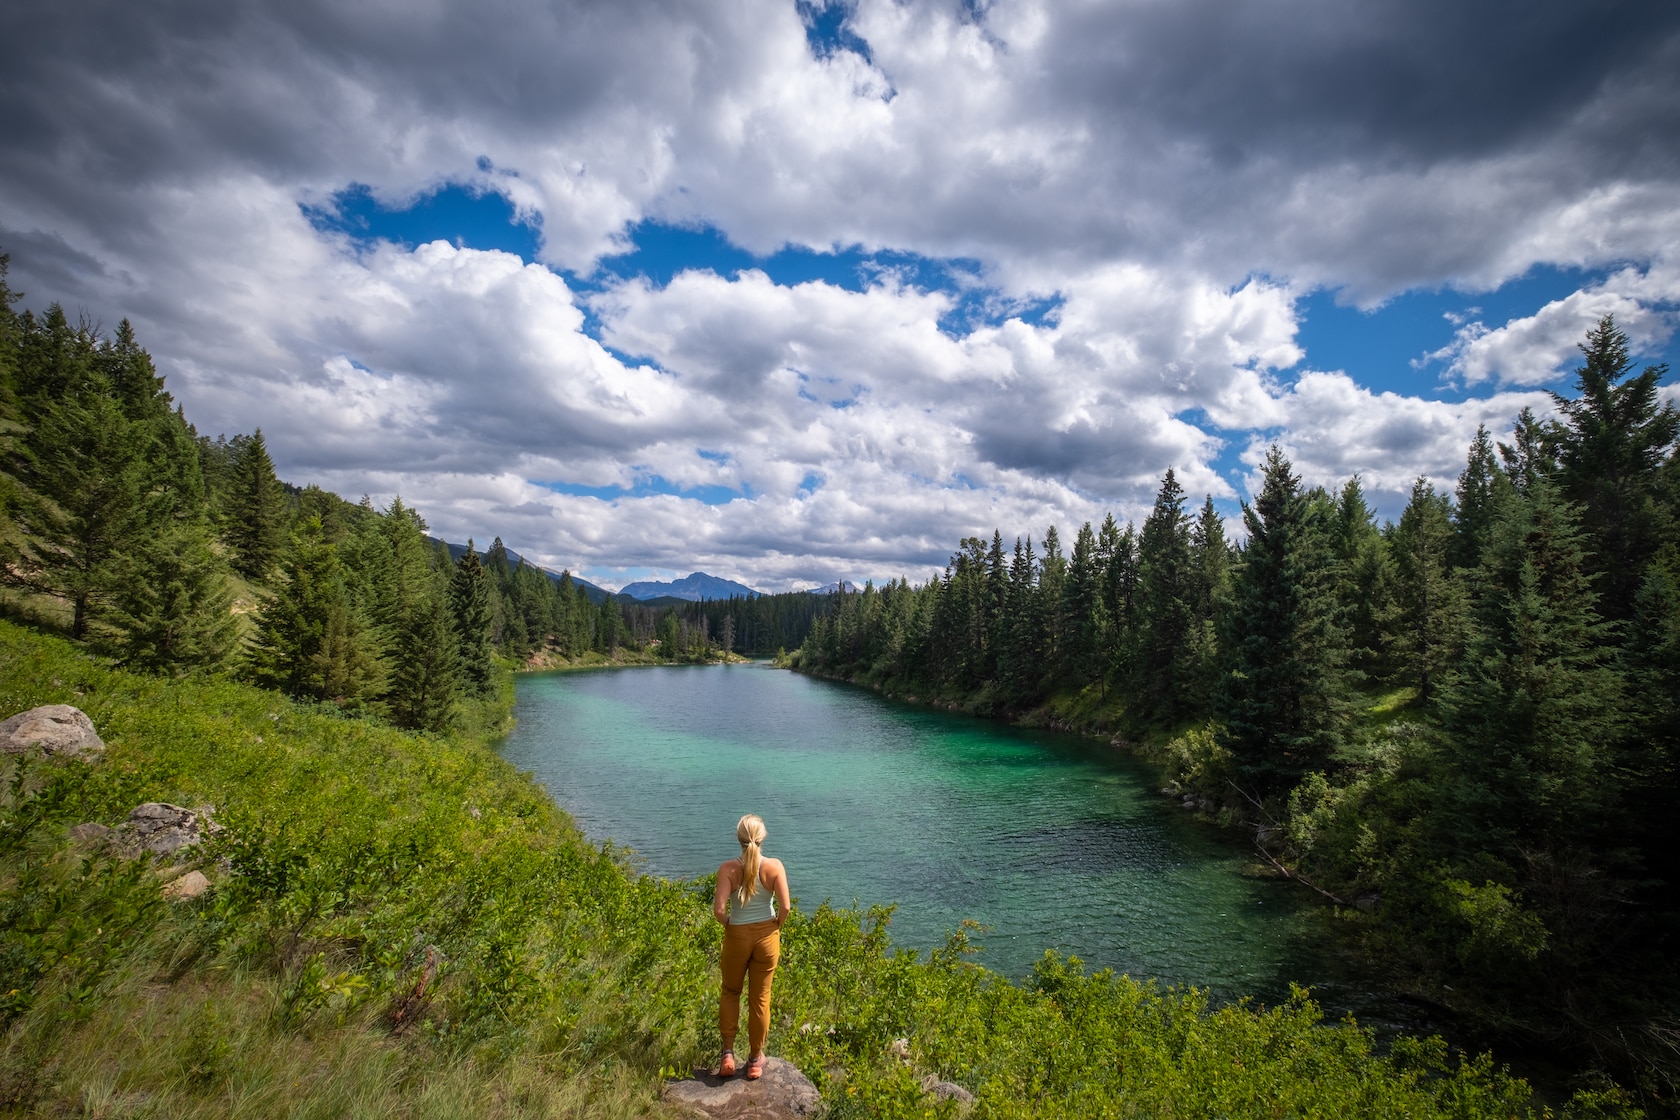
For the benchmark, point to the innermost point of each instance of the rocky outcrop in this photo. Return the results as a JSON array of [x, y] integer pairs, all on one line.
[[161, 829], [185, 887], [55, 729], [783, 1093]]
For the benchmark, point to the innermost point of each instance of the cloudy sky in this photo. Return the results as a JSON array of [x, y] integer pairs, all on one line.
[[793, 291]]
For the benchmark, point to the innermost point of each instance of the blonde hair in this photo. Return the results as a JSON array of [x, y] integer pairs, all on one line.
[[749, 830]]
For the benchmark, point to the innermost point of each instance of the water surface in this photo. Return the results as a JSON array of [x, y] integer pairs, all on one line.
[[1049, 840]]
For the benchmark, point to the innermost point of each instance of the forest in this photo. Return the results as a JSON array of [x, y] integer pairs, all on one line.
[[1461, 726], [167, 550]]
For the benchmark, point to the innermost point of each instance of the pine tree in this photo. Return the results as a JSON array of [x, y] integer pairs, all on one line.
[[1166, 591], [1429, 627], [425, 678], [1081, 612], [469, 598], [1611, 449], [1474, 512], [174, 610], [1532, 716], [1365, 585], [309, 642], [83, 502], [1284, 688], [255, 510]]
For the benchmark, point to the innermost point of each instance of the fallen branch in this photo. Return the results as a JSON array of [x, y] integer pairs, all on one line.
[[1298, 877]]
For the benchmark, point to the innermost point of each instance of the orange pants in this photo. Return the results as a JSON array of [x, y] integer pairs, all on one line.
[[750, 953]]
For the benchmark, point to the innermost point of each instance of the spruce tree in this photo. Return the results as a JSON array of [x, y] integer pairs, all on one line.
[[469, 598], [1611, 447], [1474, 512], [1365, 583], [1283, 694], [309, 641], [83, 506], [1533, 714], [1166, 592], [426, 672], [254, 510], [1428, 631], [1081, 611]]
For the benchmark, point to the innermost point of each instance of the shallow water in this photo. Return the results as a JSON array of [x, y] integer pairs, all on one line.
[[1048, 840]]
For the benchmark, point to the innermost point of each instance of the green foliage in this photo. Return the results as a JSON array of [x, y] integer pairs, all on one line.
[[408, 927], [254, 509]]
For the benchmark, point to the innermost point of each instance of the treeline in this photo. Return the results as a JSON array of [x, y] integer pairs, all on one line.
[[761, 626], [1466, 720], [171, 551]]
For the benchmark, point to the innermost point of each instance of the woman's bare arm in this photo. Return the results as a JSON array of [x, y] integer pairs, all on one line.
[[783, 899], [720, 896]]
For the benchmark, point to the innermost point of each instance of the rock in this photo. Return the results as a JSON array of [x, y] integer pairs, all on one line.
[[89, 835], [190, 885], [946, 1090], [162, 829], [900, 1049], [55, 728], [783, 1093]]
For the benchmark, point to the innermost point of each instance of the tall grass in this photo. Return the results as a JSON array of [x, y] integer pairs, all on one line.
[[402, 925]]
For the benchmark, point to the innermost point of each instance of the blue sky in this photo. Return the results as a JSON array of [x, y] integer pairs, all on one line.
[[792, 291]]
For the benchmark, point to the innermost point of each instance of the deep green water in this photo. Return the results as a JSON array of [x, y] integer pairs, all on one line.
[[1049, 840]]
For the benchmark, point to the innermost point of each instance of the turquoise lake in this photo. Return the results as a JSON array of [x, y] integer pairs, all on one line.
[[1050, 841]]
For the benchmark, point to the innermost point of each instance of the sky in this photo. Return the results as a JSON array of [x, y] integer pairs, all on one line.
[[792, 291]]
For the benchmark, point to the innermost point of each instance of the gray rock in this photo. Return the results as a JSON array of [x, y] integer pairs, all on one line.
[[55, 728], [90, 834], [162, 829], [190, 885], [783, 1093], [946, 1090]]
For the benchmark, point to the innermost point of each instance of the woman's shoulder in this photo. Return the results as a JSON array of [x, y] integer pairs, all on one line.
[[773, 865], [730, 867]]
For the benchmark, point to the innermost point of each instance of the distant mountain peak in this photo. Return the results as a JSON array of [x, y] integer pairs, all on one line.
[[694, 587], [845, 585]]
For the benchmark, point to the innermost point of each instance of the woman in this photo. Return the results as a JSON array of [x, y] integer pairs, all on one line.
[[751, 901]]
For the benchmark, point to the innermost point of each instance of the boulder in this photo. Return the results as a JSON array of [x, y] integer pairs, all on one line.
[[58, 729], [161, 829], [91, 834], [187, 886], [946, 1090], [783, 1093]]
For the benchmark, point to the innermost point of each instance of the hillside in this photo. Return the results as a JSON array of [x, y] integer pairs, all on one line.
[[401, 925]]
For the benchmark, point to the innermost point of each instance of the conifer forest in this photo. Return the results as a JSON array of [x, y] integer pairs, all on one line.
[[1461, 726]]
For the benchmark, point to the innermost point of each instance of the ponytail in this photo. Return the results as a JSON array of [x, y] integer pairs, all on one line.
[[750, 832]]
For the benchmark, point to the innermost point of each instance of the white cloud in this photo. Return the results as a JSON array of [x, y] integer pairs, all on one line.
[[1176, 175]]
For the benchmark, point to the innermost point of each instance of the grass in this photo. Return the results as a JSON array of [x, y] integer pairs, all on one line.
[[403, 925]]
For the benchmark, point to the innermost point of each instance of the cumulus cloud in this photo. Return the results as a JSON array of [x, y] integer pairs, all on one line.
[[1175, 176], [1531, 350]]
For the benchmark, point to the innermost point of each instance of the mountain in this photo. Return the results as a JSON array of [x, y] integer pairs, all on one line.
[[845, 585], [594, 594], [693, 587]]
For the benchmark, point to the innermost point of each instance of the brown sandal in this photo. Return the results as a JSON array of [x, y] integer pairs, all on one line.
[[755, 1068]]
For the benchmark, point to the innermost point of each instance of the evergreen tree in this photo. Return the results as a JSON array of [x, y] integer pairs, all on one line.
[[308, 640], [425, 677], [255, 510], [1473, 515], [175, 607], [1429, 631], [1166, 593], [1081, 612], [1283, 694], [1019, 658], [1533, 714], [1611, 449], [1365, 587], [83, 502], [469, 598]]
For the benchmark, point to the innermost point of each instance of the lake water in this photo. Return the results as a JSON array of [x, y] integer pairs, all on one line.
[[1049, 840]]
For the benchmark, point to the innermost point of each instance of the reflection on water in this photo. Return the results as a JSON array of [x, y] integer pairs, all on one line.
[[1047, 840]]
